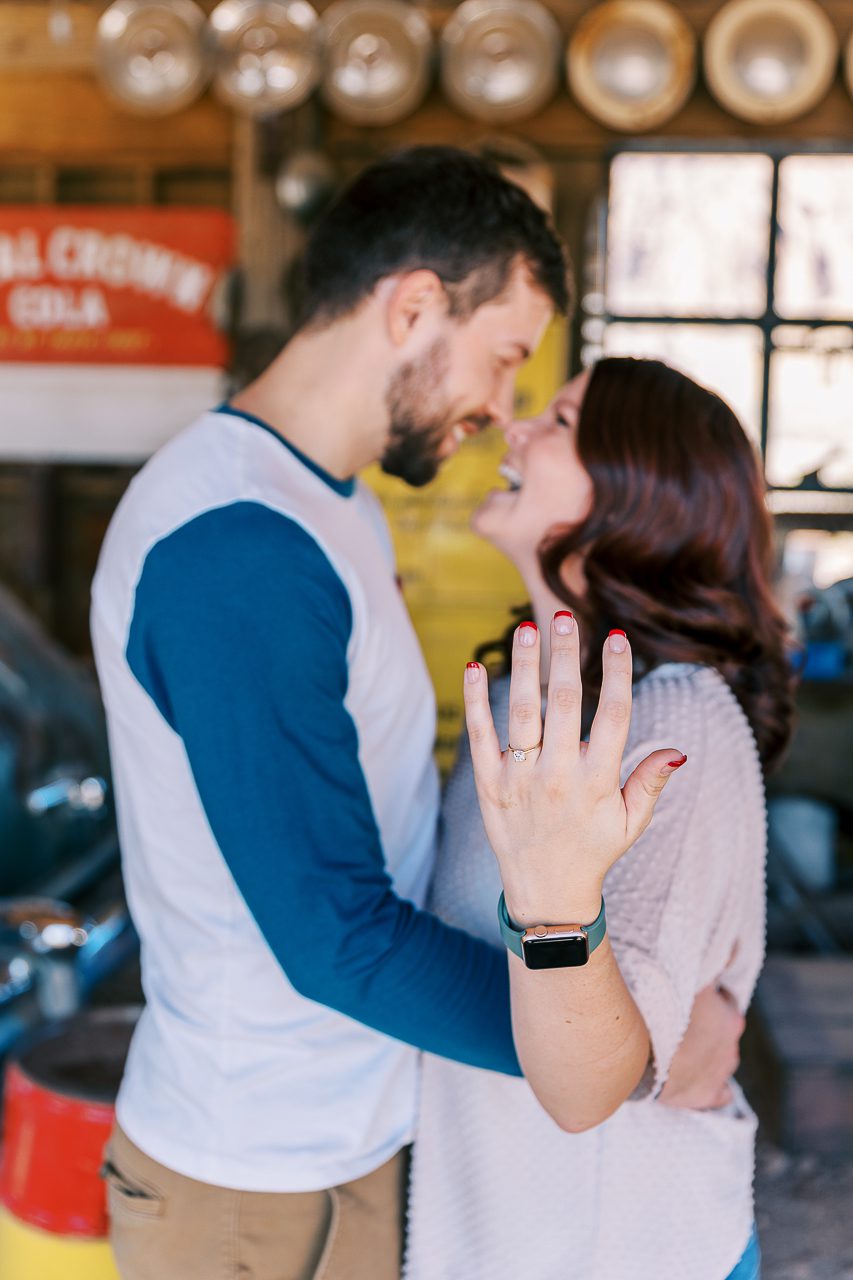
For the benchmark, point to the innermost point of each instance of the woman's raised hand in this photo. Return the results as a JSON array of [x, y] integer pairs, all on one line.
[[554, 809]]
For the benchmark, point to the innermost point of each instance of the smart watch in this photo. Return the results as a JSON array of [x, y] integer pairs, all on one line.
[[552, 946]]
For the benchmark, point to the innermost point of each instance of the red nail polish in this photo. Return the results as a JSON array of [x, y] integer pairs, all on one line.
[[676, 764], [528, 624], [564, 613], [617, 632], [472, 664]]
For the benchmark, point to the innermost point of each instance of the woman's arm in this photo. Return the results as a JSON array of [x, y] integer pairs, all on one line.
[[557, 822], [580, 1038]]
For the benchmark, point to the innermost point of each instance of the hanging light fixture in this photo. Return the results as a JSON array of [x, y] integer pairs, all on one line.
[[60, 26], [770, 60], [151, 55], [267, 53], [378, 56], [500, 58], [632, 63], [305, 184]]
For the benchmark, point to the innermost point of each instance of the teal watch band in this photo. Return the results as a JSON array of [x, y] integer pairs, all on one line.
[[552, 946]]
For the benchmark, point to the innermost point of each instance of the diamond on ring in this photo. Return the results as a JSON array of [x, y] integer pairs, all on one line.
[[521, 753]]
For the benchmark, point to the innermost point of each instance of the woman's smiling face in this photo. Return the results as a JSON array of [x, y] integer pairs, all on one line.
[[549, 485]]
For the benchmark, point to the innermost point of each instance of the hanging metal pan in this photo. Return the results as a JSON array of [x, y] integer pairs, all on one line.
[[768, 61], [631, 64], [500, 58], [268, 54], [378, 60], [151, 55]]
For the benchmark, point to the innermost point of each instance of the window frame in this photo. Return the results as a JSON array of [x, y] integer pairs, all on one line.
[[766, 322]]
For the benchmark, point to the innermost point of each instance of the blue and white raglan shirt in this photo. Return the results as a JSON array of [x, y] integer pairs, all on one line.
[[271, 725]]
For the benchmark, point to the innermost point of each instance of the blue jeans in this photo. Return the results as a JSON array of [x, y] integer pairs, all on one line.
[[749, 1267]]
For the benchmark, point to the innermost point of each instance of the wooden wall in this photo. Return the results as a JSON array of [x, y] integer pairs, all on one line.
[[62, 140]]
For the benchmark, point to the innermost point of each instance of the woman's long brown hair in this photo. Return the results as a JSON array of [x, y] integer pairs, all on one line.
[[677, 548]]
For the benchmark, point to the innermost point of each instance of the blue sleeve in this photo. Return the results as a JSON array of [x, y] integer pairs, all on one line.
[[239, 635]]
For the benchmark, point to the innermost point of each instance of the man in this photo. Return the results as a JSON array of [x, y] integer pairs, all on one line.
[[271, 723]]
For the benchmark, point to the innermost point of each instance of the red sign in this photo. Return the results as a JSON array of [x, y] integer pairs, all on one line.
[[117, 285]]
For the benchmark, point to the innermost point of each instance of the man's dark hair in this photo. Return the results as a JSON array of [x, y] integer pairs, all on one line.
[[437, 208]]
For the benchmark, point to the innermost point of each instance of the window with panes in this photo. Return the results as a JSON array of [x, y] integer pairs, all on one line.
[[737, 267]]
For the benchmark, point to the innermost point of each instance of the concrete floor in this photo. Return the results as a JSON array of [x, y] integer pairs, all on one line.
[[804, 1209]]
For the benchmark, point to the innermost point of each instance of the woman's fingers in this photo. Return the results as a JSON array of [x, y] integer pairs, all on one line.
[[643, 789], [485, 749], [565, 699], [525, 689], [609, 732]]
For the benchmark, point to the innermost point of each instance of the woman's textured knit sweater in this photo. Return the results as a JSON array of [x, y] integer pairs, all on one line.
[[654, 1193]]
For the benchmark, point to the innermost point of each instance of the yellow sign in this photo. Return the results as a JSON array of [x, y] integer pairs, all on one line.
[[458, 588]]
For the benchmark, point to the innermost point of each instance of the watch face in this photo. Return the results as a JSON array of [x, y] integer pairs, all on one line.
[[567, 952]]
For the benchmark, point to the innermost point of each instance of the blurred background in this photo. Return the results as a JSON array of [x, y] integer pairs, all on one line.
[[161, 162]]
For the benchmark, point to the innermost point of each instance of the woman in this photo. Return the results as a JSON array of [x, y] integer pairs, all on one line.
[[635, 503]]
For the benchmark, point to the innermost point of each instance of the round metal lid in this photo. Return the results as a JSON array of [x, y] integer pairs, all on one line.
[[632, 63], [267, 54], [151, 56], [378, 59], [770, 60], [500, 58]]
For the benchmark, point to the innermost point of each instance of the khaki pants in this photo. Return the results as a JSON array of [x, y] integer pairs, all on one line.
[[168, 1227]]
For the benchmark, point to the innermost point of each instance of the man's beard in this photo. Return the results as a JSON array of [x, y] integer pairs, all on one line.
[[419, 425]]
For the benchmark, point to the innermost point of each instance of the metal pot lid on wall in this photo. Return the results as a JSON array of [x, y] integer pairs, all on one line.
[[500, 58], [632, 63], [268, 54], [768, 61], [378, 60], [151, 56]]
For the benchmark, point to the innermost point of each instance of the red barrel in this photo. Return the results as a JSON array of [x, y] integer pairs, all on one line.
[[58, 1112]]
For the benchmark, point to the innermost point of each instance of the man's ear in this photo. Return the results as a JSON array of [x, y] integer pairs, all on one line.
[[412, 298]]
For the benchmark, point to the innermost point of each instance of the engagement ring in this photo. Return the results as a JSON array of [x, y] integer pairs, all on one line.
[[520, 753]]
